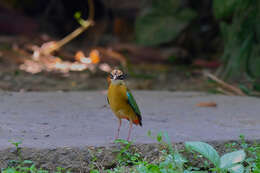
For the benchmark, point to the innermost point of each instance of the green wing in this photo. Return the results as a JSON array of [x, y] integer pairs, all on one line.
[[134, 105], [108, 101]]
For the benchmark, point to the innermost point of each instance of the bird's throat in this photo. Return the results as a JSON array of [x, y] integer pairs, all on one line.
[[117, 82]]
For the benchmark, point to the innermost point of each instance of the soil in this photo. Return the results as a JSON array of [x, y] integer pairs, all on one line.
[[142, 74], [83, 159], [17, 80]]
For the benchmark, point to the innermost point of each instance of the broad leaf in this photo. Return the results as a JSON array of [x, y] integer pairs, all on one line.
[[204, 149], [153, 28], [232, 158], [223, 8], [168, 6], [256, 86], [179, 159], [168, 141], [162, 22], [254, 62], [186, 171], [237, 169]]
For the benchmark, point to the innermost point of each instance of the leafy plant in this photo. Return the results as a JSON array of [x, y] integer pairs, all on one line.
[[241, 36], [18, 148], [228, 162], [27, 166], [161, 22], [172, 160], [125, 156]]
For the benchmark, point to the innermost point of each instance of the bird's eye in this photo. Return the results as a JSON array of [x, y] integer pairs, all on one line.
[[121, 77], [111, 76]]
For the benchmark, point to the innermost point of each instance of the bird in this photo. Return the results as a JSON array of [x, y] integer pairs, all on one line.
[[122, 102]]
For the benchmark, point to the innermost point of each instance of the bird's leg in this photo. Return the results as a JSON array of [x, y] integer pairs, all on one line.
[[119, 125], [130, 129]]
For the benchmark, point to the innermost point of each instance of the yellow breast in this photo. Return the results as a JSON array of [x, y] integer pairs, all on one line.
[[118, 101]]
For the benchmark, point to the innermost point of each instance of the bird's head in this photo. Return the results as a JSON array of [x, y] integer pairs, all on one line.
[[117, 76]]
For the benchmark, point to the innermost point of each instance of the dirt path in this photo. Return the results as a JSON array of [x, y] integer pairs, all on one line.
[[76, 119]]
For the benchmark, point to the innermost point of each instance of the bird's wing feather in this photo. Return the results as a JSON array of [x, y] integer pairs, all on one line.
[[108, 101], [133, 103]]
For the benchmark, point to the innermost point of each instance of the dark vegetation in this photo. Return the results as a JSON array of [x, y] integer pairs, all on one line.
[[162, 44], [162, 40], [192, 157]]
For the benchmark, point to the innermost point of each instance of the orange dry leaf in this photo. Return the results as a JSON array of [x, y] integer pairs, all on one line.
[[79, 55], [207, 104], [94, 56]]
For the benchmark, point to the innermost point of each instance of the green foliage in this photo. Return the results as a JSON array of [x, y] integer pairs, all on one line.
[[204, 149], [125, 156], [240, 36], [229, 162], [171, 160], [224, 8], [27, 166], [17, 147], [79, 18], [162, 22], [230, 159]]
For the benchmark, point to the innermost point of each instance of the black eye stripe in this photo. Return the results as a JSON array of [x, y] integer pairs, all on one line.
[[111, 76], [121, 77]]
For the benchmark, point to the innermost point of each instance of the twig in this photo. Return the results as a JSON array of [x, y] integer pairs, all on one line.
[[113, 54], [225, 92], [255, 93], [86, 24], [224, 84]]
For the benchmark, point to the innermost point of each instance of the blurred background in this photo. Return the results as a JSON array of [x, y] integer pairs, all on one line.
[[53, 45]]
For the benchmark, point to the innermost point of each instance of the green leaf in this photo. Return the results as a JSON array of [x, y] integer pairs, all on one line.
[[168, 141], [232, 158], [9, 170], [122, 141], [149, 133], [186, 171], [224, 8], [204, 149], [258, 25], [245, 89], [179, 159], [27, 162], [94, 171], [168, 6], [159, 137], [153, 29], [186, 14], [256, 86], [237, 169], [77, 15], [254, 62], [162, 23]]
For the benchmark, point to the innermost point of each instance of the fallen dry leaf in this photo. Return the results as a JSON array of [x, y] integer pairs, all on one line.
[[207, 104], [94, 56], [79, 55]]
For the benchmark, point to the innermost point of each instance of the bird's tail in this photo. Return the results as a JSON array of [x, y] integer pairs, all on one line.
[[138, 121]]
